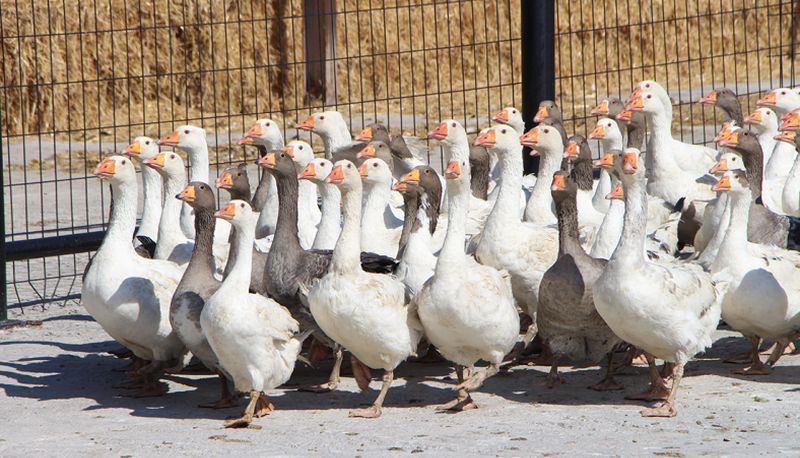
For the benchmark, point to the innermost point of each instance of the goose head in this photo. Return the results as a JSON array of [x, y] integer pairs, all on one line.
[[422, 179], [578, 147], [723, 98], [316, 170], [609, 160], [167, 164], [239, 213], [234, 180], [279, 163], [511, 117], [116, 169], [345, 176], [547, 109], [733, 181], [609, 107], [325, 124], [653, 87], [646, 102], [263, 132], [781, 100], [791, 121], [728, 160], [457, 174], [375, 172], [374, 132], [141, 148], [762, 120], [562, 187], [376, 149], [186, 138], [618, 193], [198, 195], [788, 136], [630, 165], [607, 131], [450, 132], [300, 152], [499, 140], [543, 139], [743, 141]]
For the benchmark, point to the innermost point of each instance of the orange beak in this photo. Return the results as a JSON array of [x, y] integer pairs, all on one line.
[[170, 140], [786, 136], [365, 135], [767, 101], [363, 170], [710, 98], [598, 132], [722, 185], [635, 93], [791, 123], [453, 170], [617, 193], [309, 171], [602, 109], [225, 181], [501, 116], [308, 124], [541, 114], [630, 162], [721, 166], [571, 150], [254, 131], [134, 149], [753, 118], [106, 168], [368, 152], [530, 138], [729, 139], [439, 133], [188, 194], [336, 176], [558, 183], [606, 161], [487, 139], [637, 104], [411, 177], [226, 212], [268, 161], [625, 115], [156, 162], [288, 150]]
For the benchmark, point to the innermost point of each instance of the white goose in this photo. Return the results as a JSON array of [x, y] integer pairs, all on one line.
[[467, 309], [308, 211], [764, 123], [674, 316], [144, 148], [332, 128], [790, 194], [365, 313], [380, 228], [255, 339], [330, 223], [129, 296], [781, 101], [763, 299], [545, 141], [608, 133], [265, 134]]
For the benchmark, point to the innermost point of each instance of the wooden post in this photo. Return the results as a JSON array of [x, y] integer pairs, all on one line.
[[319, 30]]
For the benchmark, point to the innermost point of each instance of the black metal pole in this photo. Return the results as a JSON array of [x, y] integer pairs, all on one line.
[[4, 292], [538, 63]]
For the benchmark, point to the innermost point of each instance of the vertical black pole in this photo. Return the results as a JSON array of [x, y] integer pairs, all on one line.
[[538, 63], [4, 291]]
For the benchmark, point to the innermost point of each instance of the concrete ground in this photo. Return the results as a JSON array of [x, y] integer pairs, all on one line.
[[57, 399]]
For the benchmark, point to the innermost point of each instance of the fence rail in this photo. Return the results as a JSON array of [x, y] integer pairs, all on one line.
[[80, 78]]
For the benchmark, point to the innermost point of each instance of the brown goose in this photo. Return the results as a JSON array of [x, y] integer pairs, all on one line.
[[726, 100], [550, 115], [568, 320]]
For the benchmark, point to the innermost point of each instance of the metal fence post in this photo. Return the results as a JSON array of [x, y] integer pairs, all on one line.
[[538, 62], [4, 292]]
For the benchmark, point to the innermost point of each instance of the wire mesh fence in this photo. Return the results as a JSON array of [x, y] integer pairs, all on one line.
[[81, 78]]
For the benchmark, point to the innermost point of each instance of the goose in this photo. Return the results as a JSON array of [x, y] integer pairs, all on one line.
[[421, 190], [172, 243], [234, 180], [266, 135], [609, 107], [608, 132], [727, 101], [330, 223], [140, 149], [289, 266], [674, 317], [790, 194], [255, 339], [512, 117], [610, 229], [781, 101], [197, 285], [579, 156], [763, 297], [380, 228], [764, 122], [634, 127], [332, 128], [545, 141], [675, 169], [567, 319], [481, 165], [366, 313], [405, 151], [790, 121], [308, 210], [129, 296], [380, 150], [549, 114], [467, 309], [192, 140], [525, 250]]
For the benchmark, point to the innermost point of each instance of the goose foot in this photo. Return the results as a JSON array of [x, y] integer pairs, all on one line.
[[459, 404], [779, 349], [333, 378], [263, 406], [655, 393], [754, 369], [318, 351], [476, 380], [361, 372], [249, 412], [666, 370], [665, 410], [607, 384], [372, 411], [226, 398]]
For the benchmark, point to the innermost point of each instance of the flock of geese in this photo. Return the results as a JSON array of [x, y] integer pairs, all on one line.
[[371, 251]]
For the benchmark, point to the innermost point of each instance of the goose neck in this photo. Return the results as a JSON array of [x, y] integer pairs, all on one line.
[[198, 162], [736, 235], [347, 254], [378, 196], [568, 242], [122, 221], [169, 226], [201, 264], [286, 227], [630, 249], [238, 278], [538, 208], [153, 201], [335, 140], [452, 253], [507, 203]]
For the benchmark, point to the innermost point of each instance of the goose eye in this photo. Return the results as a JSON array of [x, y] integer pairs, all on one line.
[[463, 164], [202, 187], [427, 171], [239, 174], [609, 124], [375, 164], [513, 111], [322, 117], [241, 205], [147, 142], [647, 85], [649, 96], [266, 124], [503, 131], [172, 156], [349, 166], [547, 131], [283, 155], [783, 92], [300, 147], [186, 131], [454, 124], [123, 162]]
